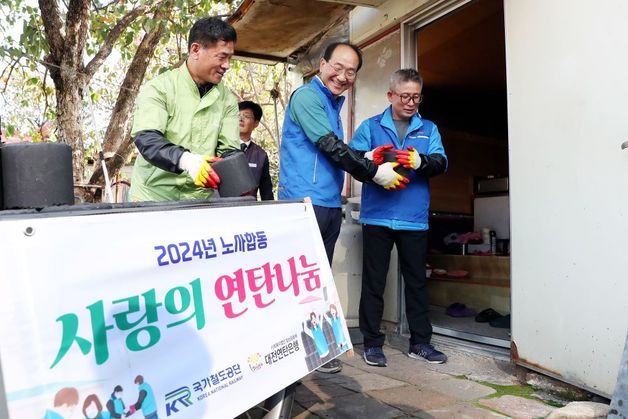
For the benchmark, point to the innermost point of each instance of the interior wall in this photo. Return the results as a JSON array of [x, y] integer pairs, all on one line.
[[469, 155], [462, 60]]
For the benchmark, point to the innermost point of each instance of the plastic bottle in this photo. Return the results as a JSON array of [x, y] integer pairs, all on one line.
[[486, 235], [493, 241]]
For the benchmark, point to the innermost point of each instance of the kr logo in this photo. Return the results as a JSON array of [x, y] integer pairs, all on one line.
[[181, 396]]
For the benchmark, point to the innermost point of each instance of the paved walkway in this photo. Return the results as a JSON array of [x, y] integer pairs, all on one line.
[[469, 385]]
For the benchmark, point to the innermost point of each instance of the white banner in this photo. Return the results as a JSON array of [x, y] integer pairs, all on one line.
[[184, 313]]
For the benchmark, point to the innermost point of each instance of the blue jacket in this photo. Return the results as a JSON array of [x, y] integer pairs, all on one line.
[[304, 170], [406, 209]]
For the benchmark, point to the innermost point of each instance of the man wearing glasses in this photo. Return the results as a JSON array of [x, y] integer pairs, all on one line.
[[313, 154], [250, 117], [398, 217]]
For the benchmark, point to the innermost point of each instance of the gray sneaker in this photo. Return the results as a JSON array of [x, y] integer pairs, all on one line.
[[331, 367], [426, 352]]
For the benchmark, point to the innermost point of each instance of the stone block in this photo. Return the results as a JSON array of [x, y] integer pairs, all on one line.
[[518, 407], [412, 399], [310, 391], [353, 406], [366, 382], [460, 389], [581, 410], [460, 411]]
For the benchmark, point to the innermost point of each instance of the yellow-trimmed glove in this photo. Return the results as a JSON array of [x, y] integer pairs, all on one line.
[[410, 158], [199, 169], [377, 155], [388, 178]]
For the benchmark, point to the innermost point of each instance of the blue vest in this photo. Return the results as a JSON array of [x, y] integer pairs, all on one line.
[[410, 205], [304, 170], [118, 406], [148, 405]]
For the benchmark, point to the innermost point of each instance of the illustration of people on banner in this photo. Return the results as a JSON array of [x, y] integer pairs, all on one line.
[[66, 400], [323, 336]]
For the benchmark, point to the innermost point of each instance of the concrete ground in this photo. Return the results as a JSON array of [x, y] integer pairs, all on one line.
[[469, 385]]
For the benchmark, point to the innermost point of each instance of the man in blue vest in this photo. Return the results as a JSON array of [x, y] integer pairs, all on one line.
[[398, 218], [250, 117], [313, 154], [145, 401]]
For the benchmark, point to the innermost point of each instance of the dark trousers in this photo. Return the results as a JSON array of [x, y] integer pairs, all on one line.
[[411, 248], [329, 221]]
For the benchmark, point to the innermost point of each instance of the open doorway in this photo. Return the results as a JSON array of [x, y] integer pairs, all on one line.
[[462, 59]]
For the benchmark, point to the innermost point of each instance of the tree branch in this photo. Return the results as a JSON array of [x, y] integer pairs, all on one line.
[[46, 105], [104, 7], [249, 73], [77, 26], [117, 137], [13, 65], [114, 35], [270, 131], [53, 27]]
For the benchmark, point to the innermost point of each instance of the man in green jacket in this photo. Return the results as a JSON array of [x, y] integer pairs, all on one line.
[[185, 118]]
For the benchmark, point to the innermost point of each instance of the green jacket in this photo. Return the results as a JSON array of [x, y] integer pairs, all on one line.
[[171, 104]]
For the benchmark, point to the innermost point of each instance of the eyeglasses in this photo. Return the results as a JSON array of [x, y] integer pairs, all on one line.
[[339, 69], [245, 116], [406, 97]]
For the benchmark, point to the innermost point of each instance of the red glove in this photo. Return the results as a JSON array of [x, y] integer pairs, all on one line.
[[377, 155], [207, 177], [410, 158]]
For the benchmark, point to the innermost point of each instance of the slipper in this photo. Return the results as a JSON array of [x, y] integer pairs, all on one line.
[[502, 322], [459, 310], [487, 315]]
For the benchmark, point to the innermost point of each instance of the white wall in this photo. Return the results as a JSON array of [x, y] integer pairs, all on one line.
[[367, 21], [567, 113]]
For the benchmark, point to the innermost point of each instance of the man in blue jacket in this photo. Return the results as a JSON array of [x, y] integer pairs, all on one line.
[[313, 155], [398, 217]]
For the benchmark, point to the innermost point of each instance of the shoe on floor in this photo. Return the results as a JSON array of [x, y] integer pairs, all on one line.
[[487, 315], [426, 352], [375, 356], [331, 367], [459, 310]]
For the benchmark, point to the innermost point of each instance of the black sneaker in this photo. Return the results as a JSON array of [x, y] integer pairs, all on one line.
[[426, 352], [331, 367], [375, 356]]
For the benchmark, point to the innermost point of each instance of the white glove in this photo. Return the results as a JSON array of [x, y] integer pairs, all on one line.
[[199, 169], [369, 155], [388, 178], [191, 163]]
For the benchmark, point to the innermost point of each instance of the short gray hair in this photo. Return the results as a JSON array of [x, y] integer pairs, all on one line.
[[405, 75]]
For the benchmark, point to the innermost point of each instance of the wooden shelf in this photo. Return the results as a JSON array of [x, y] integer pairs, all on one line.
[[491, 282], [486, 270], [488, 283]]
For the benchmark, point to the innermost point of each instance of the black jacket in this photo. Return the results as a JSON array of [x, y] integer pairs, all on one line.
[[260, 167]]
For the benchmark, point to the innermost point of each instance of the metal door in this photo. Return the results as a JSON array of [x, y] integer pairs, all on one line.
[[567, 66]]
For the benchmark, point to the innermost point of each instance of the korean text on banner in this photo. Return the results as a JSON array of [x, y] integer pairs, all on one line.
[[186, 313]]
